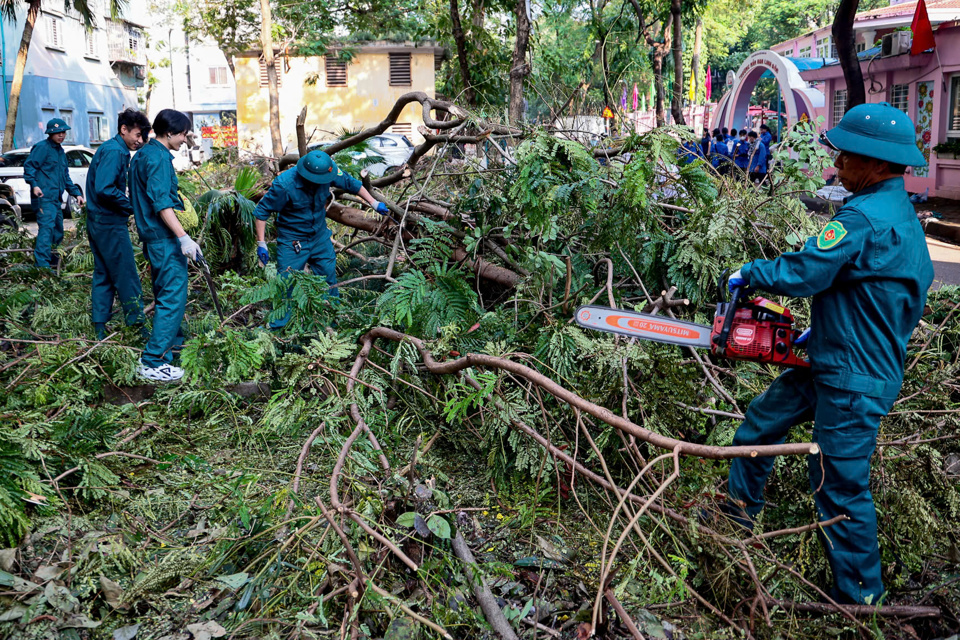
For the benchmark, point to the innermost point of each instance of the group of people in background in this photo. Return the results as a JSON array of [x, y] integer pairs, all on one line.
[[727, 150]]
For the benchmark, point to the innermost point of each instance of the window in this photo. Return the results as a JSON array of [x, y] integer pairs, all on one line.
[[54, 31], [900, 97], [826, 48], [805, 52], [861, 47], [90, 49], [953, 108], [218, 75], [336, 71], [839, 105], [134, 37], [77, 159], [46, 115], [99, 128], [402, 128], [263, 73], [67, 116], [400, 70]]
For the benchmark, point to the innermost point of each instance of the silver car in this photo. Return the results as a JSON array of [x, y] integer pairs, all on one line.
[[11, 173], [386, 150]]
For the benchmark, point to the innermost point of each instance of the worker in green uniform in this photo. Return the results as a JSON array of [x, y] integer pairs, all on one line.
[[45, 172], [299, 198], [155, 200], [868, 273], [108, 209]]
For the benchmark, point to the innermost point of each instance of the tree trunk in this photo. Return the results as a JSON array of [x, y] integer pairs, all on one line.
[[843, 37], [21, 65], [266, 42], [519, 69], [660, 51], [695, 60], [676, 105], [458, 37]]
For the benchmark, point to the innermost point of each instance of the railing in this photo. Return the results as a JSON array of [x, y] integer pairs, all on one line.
[[126, 43]]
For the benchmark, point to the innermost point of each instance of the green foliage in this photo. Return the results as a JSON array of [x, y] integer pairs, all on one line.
[[423, 302], [233, 356]]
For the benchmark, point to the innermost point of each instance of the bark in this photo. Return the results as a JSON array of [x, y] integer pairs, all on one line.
[[458, 37], [843, 36], [302, 133], [695, 60], [488, 604], [10, 130], [659, 52], [676, 105], [266, 42], [519, 68]]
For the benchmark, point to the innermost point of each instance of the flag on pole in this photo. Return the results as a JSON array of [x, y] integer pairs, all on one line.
[[635, 96], [692, 94], [653, 93], [922, 30], [623, 98], [709, 84]]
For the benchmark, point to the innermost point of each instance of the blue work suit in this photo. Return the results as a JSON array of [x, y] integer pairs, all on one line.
[[719, 154], [46, 167], [758, 158], [689, 152], [766, 138], [108, 210], [868, 273], [741, 154], [302, 234], [153, 188]]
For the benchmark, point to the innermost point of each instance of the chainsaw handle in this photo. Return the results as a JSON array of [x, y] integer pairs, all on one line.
[[723, 337]]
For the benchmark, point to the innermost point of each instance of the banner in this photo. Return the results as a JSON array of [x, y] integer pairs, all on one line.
[[220, 135]]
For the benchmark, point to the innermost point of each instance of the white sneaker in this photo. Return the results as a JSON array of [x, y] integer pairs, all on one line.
[[163, 373]]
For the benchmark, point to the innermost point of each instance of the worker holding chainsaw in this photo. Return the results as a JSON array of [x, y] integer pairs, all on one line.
[[299, 198], [868, 273]]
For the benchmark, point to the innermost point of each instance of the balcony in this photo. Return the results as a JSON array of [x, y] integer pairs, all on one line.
[[126, 44]]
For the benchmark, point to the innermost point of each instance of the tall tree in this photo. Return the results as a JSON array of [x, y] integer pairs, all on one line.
[[843, 37], [266, 42], [519, 67], [676, 105], [231, 24], [469, 96], [8, 11]]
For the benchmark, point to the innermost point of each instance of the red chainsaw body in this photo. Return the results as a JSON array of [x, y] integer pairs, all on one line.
[[762, 331]]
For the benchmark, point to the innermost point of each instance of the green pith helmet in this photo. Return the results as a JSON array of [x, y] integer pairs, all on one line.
[[317, 167], [877, 131], [57, 126]]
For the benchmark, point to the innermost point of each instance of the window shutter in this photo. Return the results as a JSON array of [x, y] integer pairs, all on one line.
[[263, 73], [403, 129], [400, 70], [336, 71]]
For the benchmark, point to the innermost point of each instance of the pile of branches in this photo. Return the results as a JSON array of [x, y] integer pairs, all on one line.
[[434, 451]]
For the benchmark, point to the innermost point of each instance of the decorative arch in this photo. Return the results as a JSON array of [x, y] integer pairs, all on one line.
[[799, 100]]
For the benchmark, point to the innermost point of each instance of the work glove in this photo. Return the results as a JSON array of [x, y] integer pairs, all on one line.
[[801, 340], [190, 248], [262, 254], [383, 209], [736, 281]]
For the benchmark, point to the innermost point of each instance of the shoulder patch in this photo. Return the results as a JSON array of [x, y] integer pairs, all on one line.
[[339, 171], [831, 235]]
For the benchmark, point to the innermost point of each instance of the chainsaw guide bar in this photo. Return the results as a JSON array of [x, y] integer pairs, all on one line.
[[643, 326]]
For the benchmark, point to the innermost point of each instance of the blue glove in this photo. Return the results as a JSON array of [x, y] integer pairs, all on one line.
[[262, 254], [736, 280], [802, 338], [383, 209]]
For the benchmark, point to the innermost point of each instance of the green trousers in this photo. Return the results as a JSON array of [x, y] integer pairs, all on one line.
[[168, 270], [845, 428], [114, 272], [49, 229], [318, 252]]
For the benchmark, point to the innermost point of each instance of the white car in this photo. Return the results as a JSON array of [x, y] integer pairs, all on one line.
[[11, 173], [390, 149]]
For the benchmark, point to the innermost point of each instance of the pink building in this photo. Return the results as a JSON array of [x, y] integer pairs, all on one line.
[[925, 86]]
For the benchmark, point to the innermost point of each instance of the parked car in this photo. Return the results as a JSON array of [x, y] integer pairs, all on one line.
[[11, 173], [386, 151]]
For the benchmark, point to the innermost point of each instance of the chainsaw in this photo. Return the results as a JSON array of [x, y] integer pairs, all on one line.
[[744, 328]]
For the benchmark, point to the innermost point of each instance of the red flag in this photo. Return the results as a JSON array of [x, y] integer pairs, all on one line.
[[709, 86], [922, 30]]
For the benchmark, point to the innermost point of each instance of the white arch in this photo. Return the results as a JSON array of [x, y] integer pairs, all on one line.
[[799, 100]]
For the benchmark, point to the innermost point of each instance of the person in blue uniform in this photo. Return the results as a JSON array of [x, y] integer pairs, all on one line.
[[155, 199], [868, 272], [766, 137], [720, 156], [757, 153], [45, 172], [108, 210], [299, 198], [705, 140], [741, 152]]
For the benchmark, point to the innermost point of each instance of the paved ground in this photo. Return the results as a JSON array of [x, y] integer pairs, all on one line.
[[945, 256]]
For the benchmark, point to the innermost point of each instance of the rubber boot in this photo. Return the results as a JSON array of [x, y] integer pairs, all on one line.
[[101, 328]]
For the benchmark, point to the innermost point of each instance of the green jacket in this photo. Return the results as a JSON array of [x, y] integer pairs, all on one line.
[[107, 199], [301, 206], [46, 167], [868, 272], [153, 188]]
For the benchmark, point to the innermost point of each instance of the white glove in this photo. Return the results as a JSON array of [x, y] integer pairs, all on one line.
[[189, 248]]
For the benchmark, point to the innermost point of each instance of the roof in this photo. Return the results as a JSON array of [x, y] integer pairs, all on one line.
[[907, 9], [803, 64]]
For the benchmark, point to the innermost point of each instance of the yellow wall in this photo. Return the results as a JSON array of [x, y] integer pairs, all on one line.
[[364, 102]]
